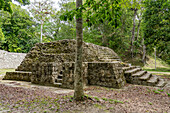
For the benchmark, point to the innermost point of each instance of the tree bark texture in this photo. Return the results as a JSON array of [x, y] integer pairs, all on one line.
[[138, 29], [78, 80], [133, 31], [144, 52], [155, 58]]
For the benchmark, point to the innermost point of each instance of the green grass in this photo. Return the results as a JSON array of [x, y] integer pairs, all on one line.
[[3, 71], [97, 98], [159, 69], [168, 94], [150, 103], [156, 92]]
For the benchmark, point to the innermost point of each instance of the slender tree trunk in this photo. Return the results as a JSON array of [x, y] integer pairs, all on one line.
[[138, 29], [155, 57], [41, 32], [144, 51], [133, 31], [78, 83]]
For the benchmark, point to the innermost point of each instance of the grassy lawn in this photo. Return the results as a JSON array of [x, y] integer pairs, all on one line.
[[159, 69], [3, 71]]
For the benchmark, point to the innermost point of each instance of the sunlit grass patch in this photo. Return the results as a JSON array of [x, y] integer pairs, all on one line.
[[159, 69], [3, 71]]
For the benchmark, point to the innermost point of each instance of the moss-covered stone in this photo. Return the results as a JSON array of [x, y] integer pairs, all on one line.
[[53, 64], [63, 51]]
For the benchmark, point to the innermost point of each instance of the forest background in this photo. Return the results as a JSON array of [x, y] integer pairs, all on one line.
[[141, 27]]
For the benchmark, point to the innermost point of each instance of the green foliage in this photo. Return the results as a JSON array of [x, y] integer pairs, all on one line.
[[97, 12], [105, 22], [99, 26], [62, 30], [1, 37], [6, 4], [156, 27], [18, 30]]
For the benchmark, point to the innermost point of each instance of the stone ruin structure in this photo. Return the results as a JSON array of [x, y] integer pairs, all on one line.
[[53, 64]]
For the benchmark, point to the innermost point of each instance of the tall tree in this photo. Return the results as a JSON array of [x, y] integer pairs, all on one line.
[[96, 11], [78, 83], [135, 5], [41, 11], [133, 30]]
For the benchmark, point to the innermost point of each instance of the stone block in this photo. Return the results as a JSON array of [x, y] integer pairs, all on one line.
[[18, 75]]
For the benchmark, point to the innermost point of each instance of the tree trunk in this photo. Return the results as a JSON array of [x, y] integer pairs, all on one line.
[[78, 80], [140, 19], [144, 52], [133, 31], [138, 29], [41, 32], [155, 57]]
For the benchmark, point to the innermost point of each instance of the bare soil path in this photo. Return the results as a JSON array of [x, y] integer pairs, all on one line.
[[24, 97]]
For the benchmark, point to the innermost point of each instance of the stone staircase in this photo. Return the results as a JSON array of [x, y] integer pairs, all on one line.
[[135, 75], [108, 58], [58, 81]]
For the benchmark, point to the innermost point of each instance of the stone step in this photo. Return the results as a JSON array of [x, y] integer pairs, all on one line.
[[145, 76], [161, 83], [58, 84], [132, 71], [110, 56], [18, 75], [139, 73], [153, 80], [110, 59], [59, 80], [128, 68]]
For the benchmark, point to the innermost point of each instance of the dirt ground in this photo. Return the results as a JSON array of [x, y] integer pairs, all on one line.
[[21, 97]]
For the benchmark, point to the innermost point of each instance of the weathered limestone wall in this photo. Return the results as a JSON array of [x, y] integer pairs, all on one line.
[[45, 73], [63, 51], [106, 74], [10, 60], [49, 73], [99, 73]]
